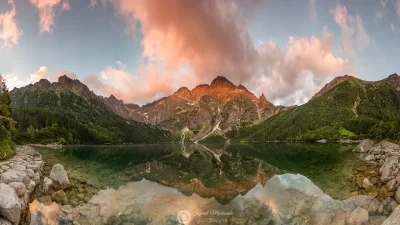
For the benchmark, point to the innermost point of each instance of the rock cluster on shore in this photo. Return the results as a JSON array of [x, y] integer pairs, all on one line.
[[58, 188], [387, 156], [18, 178]]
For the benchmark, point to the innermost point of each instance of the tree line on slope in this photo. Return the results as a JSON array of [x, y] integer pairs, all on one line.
[[351, 110], [45, 116]]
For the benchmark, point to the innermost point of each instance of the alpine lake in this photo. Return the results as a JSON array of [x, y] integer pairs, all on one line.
[[211, 175]]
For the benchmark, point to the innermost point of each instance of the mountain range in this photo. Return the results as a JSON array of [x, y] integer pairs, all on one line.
[[214, 108], [346, 107], [217, 107]]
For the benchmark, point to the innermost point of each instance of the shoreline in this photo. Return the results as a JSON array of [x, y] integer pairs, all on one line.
[[26, 177], [20, 175]]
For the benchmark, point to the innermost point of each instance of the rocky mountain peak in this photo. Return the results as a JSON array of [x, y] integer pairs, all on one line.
[[43, 83], [64, 79], [262, 98], [183, 90], [264, 103], [336, 81], [221, 81], [113, 98], [393, 81], [184, 93]]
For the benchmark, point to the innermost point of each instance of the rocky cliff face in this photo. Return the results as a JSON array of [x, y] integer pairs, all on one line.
[[218, 106]]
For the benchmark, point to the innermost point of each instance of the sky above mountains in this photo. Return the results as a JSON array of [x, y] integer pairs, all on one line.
[[143, 50]]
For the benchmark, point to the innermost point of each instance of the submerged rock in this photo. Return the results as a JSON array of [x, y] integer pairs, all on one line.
[[47, 183], [367, 185], [60, 197], [359, 217]]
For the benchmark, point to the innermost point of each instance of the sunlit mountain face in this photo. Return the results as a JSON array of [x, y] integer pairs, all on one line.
[[199, 112]]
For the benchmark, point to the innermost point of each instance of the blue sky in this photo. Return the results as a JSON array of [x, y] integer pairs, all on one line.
[[116, 49]]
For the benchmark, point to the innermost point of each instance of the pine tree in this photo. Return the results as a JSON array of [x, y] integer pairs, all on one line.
[[7, 125]]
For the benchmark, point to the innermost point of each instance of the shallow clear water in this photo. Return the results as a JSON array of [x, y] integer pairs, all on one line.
[[220, 171]]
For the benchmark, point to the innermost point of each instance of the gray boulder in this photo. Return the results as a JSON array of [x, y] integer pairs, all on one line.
[[370, 158], [59, 176], [367, 185], [364, 146], [19, 167], [19, 188], [391, 185], [34, 166], [14, 176], [30, 173], [10, 207], [4, 222], [47, 183], [397, 196], [31, 187], [36, 177], [394, 218], [389, 169]]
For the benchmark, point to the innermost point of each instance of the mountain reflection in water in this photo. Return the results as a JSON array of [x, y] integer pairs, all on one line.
[[284, 199], [228, 184], [220, 171]]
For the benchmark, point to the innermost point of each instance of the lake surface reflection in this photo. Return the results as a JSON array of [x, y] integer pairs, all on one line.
[[274, 183], [219, 171]]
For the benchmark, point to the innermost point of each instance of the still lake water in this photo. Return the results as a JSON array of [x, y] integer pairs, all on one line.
[[219, 171]]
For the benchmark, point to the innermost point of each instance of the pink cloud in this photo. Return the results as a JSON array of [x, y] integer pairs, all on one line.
[[9, 32], [353, 30], [190, 42], [40, 74], [151, 83], [294, 75], [48, 10], [397, 7]]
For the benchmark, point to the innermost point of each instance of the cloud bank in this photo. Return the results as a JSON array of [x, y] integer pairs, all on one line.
[[40, 74], [186, 43], [9, 32], [48, 10], [190, 42]]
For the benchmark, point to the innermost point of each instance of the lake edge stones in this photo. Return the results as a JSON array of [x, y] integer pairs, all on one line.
[[18, 177]]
